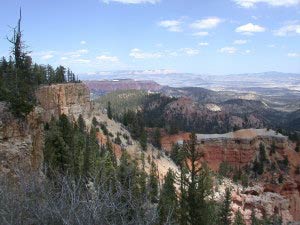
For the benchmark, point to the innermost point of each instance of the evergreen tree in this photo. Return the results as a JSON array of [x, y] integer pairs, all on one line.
[[157, 138], [153, 183], [81, 124], [60, 74], [143, 140], [109, 111], [56, 150], [225, 211], [254, 220], [297, 148], [95, 122], [239, 220], [176, 154], [21, 83], [196, 187], [167, 206], [262, 153], [273, 148]]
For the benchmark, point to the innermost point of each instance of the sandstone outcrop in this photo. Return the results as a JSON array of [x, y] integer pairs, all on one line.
[[71, 99], [237, 148], [21, 143]]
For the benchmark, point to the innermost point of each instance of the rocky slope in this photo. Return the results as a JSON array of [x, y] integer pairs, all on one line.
[[21, 143], [240, 149]]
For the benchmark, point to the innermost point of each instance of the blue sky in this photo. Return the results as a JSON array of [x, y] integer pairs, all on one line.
[[197, 36]]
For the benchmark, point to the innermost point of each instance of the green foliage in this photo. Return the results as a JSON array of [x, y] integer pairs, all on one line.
[[118, 140], [19, 77], [259, 163], [196, 184], [122, 101], [177, 154], [153, 183], [168, 203], [104, 128], [254, 220], [225, 169], [69, 150], [239, 220], [225, 211], [143, 140], [273, 148], [157, 138], [109, 111]]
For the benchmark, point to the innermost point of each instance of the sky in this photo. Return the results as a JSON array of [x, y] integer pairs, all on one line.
[[190, 36]]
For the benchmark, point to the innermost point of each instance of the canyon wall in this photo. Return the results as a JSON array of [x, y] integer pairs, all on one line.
[[71, 99], [237, 148], [21, 143]]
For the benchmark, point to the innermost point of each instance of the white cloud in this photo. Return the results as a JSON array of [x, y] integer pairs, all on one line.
[[248, 51], [190, 51], [228, 50], [83, 42], [106, 58], [81, 61], [240, 42], [76, 54], [47, 56], [203, 44], [201, 34], [293, 55], [132, 1], [83, 51], [249, 29], [252, 3], [289, 29], [139, 54], [64, 58], [207, 23], [171, 25]]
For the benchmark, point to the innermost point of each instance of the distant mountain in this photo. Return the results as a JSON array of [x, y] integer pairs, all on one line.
[[102, 87], [221, 82], [280, 91]]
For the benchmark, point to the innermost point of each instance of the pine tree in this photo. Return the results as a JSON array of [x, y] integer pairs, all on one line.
[[60, 74], [56, 150], [239, 220], [167, 206], [196, 187], [273, 148], [153, 183], [81, 124], [225, 211], [21, 89], [109, 111], [143, 140], [157, 138], [79, 149], [254, 220]]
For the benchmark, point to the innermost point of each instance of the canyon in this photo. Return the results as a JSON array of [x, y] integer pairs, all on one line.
[[21, 150]]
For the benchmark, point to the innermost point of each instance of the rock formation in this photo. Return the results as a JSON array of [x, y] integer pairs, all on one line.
[[237, 148], [70, 99], [264, 204], [21, 143]]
